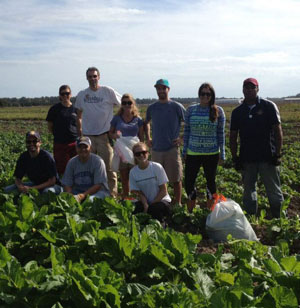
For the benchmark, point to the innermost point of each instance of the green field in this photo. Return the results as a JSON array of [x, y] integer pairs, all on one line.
[[57, 253]]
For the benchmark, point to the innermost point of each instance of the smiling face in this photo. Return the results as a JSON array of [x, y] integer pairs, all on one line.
[[33, 146], [205, 96], [162, 92], [83, 152], [250, 92], [141, 154], [65, 95], [127, 105], [93, 78]]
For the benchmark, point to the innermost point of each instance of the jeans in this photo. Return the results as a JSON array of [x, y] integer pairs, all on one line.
[[55, 189], [269, 175]]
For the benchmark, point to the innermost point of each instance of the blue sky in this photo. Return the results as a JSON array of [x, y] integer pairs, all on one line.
[[44, 44]]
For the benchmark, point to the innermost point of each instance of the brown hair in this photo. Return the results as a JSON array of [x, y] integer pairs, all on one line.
[[92, 69], [213, 110], [135, 111], [64, 87]]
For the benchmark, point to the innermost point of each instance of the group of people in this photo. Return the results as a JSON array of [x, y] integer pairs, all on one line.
[[83, 149]]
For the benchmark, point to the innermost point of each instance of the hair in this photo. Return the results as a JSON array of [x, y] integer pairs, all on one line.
[[92, 69], [135, 111], [64, 87], [213, 110], [139, 144]]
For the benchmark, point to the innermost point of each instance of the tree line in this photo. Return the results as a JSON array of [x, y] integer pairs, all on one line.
[[51, 100]]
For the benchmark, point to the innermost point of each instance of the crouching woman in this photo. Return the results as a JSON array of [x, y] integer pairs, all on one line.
[[85, 173], [148, 180]]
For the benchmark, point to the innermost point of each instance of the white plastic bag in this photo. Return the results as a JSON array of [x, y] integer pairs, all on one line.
[[226, 218], [123, 151]]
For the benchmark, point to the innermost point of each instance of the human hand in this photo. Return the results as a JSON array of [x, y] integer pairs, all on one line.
[[237, 163], [177, 142], [149, 143], [146, 206], [24, 189], [79, 197], [276, 160], [118, 134]]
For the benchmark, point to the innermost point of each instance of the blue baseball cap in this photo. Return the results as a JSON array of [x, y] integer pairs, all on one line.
[[163, 82], [83, 140]]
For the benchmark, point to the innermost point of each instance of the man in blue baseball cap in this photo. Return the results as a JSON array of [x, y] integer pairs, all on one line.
[[166, 116]]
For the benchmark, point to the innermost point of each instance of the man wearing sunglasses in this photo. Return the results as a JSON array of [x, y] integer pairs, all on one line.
[[166, 116], [257, 123], [95, 111], [38, 165]]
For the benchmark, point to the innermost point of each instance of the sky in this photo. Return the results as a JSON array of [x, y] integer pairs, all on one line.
[[47, 43]]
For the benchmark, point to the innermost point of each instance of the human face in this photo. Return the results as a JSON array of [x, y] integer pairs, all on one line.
[[65, 95], [205, 96], [83, 152], [93, 79], [141, 155], [127, 104], [250, 91], [33, 146], [162, 92]]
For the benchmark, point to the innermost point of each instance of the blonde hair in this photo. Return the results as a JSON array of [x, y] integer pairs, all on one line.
[[135, 111]]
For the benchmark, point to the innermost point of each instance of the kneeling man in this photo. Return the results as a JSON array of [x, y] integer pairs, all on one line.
[[38, 165], [85, 173]]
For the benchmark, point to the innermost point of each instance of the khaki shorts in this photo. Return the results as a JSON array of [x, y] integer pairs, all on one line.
[[171, 161]]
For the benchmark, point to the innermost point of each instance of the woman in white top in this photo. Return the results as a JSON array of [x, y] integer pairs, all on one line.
[[148, 180]]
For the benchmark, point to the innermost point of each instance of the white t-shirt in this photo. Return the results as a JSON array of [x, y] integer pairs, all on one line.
[[148, 180], [97, 109]]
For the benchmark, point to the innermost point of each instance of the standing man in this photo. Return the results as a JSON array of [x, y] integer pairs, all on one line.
[[257, 123], [166, 116], [38, 165], [95, 111]]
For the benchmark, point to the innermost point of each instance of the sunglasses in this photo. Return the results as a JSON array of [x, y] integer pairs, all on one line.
[[32, 141], [138, 154], [205, 94], [92, 76], [124, 103], [65, 93]]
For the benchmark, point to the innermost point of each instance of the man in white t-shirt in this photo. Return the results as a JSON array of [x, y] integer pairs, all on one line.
[[95, 111]]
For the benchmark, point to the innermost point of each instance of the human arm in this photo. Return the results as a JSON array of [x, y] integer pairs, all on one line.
[[113, 133], [79, 122], [50, 127], [233, 136], [221, 132], [50, 182], [91, 191], [141, 131], [147, 134], [277, 129], [141, 198], [162, 192], [186, 133]]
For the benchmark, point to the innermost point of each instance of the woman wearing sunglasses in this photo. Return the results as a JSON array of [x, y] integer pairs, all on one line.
[[148, 180], [204, 143], [126, 123], [61, 120]]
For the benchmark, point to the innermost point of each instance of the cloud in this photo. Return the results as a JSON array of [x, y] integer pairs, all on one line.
[[134, 42]]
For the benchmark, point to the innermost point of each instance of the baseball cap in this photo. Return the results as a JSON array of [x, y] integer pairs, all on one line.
[[251, 80], [33, 133], [163, 82], [83, 140]]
